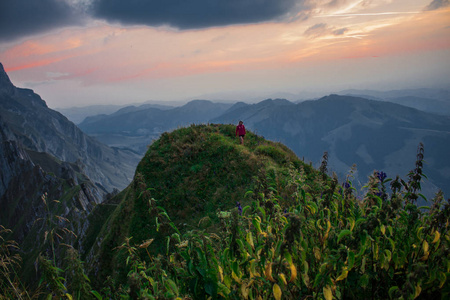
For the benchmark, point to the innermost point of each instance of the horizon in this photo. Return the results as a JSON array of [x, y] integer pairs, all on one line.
[[77, 53]]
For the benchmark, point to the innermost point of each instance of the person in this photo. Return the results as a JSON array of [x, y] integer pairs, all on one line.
[[240, 130]]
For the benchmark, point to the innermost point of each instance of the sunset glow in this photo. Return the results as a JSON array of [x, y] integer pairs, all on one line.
[[335, 47]]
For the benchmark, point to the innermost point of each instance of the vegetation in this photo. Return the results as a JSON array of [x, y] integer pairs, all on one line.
[[279, 230]]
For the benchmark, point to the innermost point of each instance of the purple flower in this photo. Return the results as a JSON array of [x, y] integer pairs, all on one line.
[[239, 207], [347, 185], [381, 176]]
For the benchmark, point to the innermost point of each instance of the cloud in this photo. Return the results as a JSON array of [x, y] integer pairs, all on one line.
[[323, 29], [436, 4], [19, 18], [195, 14]]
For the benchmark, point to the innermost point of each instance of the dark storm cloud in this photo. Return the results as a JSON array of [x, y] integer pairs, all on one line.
[[20, 18], [436, 4], [193, 14]]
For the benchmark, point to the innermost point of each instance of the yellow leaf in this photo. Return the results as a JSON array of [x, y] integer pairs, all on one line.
[[221, 273], [383, 229], [343, 274], [235, 277], [327, 293], [425, 247], [250, 239], [268, 272], [244, 290], [276, 291], [283, 278], [417, 292], [328, 230], [316, 253], [437, 236], [293, 273], [305, 278], [352, 223]]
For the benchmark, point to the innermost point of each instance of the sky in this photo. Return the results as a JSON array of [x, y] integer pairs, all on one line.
[[85, 52]]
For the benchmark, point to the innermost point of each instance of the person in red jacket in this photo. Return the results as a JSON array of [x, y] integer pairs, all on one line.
[[240, 130]]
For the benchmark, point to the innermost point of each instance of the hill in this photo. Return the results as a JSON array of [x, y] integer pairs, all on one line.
[[190, 174]]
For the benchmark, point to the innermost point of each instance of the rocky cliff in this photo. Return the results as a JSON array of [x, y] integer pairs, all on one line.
[[32, 124]]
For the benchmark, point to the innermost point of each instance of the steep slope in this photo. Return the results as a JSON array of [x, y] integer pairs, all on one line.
[[32, 124], [136, 128], [35, 187], [375, 135], [188, 175]]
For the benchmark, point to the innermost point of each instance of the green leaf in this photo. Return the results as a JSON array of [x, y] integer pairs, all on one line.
[[343, 234], [263, 212], [245, 209], [392, 290], [174, 227], [157, 224], [248, 193], [351, 259], [172, 286], [364, 281], [97, 295]]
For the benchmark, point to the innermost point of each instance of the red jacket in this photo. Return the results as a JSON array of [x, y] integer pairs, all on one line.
[[240, 129]]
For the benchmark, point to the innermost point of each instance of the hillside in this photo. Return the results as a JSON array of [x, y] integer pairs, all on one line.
[[191, 174]]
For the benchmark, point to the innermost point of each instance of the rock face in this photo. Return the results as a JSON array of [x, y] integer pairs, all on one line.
[[50, 173], [27, 175], [32, 124]]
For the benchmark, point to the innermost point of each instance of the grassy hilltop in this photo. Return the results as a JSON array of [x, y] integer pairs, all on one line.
[[208, 218], [188, 176]]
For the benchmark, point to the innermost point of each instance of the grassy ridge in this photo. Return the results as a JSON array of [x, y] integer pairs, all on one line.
[[190, 174]]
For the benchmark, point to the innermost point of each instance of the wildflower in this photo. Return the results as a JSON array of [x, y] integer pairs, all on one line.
[[347, 185], [238, 204], [381, 176]]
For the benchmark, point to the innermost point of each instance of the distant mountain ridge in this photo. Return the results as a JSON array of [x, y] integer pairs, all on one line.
[[429, 100], [375, 135], [136, 128], [353, 130]]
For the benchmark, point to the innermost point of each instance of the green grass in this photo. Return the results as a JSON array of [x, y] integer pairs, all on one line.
[[193, 173]]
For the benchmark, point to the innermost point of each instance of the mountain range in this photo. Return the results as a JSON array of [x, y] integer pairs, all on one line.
[[373, 134]]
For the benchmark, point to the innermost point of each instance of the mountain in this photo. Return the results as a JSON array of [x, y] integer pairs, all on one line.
[[51, 172], [374, 135], [36, 127], [78, 114], [429, 100], [189, 174], [135, 128]]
